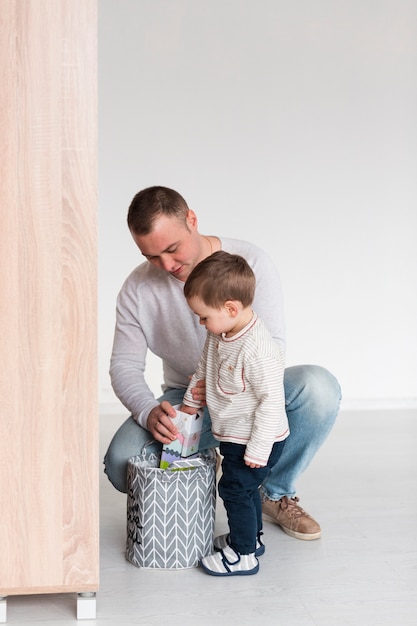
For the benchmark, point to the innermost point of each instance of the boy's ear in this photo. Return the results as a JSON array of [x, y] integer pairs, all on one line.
[[232, 308]]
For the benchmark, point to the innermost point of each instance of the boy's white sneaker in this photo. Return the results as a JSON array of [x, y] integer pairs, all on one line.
[[228, 562]]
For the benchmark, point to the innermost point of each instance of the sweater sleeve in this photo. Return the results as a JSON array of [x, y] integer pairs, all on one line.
[[270, 423], [128, 359]]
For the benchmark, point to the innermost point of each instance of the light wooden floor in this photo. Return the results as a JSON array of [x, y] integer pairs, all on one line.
[[362, 488]]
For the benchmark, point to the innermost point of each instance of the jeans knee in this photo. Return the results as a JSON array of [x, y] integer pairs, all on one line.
[[313, 387], [114, 471], [324, 386]]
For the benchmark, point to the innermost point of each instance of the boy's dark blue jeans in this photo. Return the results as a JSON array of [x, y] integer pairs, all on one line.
[[239, 490]]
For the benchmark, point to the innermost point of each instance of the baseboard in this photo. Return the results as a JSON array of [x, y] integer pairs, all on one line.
[[378, 404], [347, 404]]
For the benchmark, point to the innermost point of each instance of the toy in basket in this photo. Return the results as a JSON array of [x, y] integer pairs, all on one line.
[[185, 447]]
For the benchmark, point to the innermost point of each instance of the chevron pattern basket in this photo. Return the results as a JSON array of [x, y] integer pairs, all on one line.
[[170, 513]]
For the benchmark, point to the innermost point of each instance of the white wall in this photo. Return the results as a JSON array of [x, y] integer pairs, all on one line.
[[291, 124]]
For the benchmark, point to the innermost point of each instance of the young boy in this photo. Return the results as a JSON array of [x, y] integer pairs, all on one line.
[[243, 371]]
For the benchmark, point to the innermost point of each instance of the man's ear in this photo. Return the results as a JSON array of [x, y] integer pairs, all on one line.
[[232, 308], [192, 220]]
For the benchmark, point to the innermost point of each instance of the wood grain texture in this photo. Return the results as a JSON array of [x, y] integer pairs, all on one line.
[[48, 309]]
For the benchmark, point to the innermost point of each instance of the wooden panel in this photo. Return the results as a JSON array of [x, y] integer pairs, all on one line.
[[48, 385]]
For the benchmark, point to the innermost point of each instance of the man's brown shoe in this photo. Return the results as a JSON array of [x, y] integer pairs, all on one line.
[[292, 518]]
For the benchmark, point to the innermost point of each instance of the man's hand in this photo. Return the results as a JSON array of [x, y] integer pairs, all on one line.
[[159, 423]]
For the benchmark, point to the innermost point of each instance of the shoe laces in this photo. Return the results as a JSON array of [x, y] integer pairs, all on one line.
[[291, 507]]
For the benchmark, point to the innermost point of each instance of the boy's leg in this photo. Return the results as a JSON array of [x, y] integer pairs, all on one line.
[[276, 452], [238, 488]]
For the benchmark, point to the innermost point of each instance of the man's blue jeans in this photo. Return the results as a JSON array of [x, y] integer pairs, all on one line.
[[312, 399]]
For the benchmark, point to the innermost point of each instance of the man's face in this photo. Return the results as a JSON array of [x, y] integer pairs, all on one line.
[[172, 246]]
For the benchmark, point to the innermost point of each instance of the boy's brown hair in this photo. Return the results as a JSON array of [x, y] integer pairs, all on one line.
[[221, 277]]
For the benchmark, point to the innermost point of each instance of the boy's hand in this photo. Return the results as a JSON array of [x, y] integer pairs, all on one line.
[[188, 409], [199, 392], [253, 465]]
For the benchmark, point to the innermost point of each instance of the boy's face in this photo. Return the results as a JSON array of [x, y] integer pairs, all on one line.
[[172, 246], [217, 321]]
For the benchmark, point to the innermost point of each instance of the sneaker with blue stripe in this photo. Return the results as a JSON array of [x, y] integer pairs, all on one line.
[[228, 562]]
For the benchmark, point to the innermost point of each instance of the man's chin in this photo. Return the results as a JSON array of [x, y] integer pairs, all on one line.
[[181, 274]]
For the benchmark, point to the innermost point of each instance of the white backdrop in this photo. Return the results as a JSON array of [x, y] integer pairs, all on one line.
[[293, 125]]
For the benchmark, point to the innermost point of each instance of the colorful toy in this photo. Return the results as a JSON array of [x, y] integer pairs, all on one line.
[[188, 439]]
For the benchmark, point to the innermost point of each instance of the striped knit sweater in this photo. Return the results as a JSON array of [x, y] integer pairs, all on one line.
[[244, 389]]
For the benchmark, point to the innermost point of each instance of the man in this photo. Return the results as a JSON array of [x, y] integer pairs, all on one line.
[[152, 314]]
